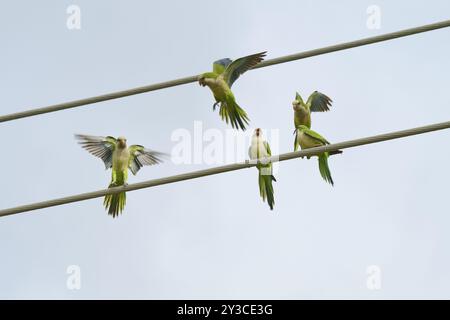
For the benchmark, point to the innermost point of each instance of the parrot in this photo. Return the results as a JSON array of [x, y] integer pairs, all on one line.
[[117, 156], [225, 73], [302, 112], [258, 150], [308, 138]]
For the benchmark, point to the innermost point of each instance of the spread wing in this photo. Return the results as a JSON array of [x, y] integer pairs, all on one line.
[[241, 65], [101, 147], [319, 102], [140, 156], [219, 66]]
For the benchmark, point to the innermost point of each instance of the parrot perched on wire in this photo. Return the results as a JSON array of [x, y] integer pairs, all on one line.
[[307, 138], [260, 150], [302, 112], [117, 156], [225, 73]]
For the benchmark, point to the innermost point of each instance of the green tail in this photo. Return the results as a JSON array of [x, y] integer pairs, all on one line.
[[115, 203], [324, 169], [266, 187], [232, 113]]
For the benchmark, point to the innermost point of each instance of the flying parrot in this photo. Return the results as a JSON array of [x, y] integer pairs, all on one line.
[[302, 112], [307, 138], [259, 150], [225, 73], [117, 156]]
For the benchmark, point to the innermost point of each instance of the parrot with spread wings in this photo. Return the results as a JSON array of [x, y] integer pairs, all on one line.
[[117, 156], [225, 73], [317, 102]]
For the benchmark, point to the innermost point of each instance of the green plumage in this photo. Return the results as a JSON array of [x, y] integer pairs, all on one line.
[[115, 203], [307, 138], [225, 73], [324, 169], [260, 150], [119, 158], [266, 187], [317, 102]]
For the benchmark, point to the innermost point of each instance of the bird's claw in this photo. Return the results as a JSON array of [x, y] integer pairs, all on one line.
[[215, 105]]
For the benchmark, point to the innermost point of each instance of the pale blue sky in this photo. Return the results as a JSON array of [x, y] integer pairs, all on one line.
[[214, 237]]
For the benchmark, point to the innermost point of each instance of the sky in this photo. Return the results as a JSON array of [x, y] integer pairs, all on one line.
[[380, 232]]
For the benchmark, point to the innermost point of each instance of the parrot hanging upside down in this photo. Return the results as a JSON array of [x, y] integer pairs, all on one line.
[[260, 150], [116, 155], [308, 138], [225, 73], [302, 112]]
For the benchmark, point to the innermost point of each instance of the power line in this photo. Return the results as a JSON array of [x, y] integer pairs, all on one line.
[[225, 168], [186, 80]]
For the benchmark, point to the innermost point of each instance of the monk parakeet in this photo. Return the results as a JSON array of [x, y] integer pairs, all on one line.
[[224, 74], [260, 150], [116, 155], [307, 138], [302, 112]]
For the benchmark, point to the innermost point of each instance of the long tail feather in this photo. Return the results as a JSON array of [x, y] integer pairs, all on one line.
[[324, 169], [232, 113], [115, 203], [266, 188]]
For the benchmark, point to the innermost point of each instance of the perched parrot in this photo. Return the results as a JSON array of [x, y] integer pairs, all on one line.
[[116, 155], [302, 112], [308, 138], [259, 150], [224, 74]]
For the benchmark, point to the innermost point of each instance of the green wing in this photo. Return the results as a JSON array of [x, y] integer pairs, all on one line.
[[296, 143], [140, 156], [318, 102], [101, 147], [312, 134], [298, 97], [266, 145], [241, 65], [219, 66]]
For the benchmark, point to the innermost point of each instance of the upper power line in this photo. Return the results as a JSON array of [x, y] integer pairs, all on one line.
[[266, 63], [225, 168]]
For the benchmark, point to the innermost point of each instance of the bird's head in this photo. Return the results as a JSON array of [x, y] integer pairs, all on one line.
[[296, 105], [122, 142], [202, 79]]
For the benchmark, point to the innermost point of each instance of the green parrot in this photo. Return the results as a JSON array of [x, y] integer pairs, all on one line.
[[116, 155], [225, 73], [302, 112], [260, 149], [307, 138]]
